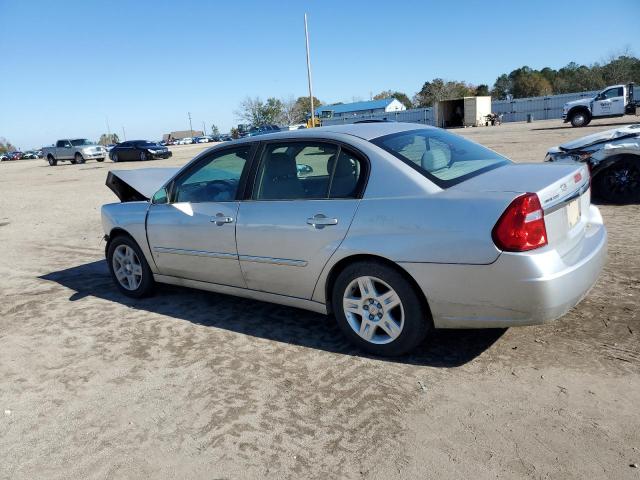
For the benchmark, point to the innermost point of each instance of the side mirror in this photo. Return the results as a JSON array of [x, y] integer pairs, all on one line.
[[160, 197]]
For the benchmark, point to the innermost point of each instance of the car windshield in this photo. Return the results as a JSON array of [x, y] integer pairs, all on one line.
[[442, 157], [81, 141], [148, 144]]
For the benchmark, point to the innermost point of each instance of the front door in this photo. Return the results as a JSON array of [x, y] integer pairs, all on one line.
[[609, 102], [194, 235], [304, 197]]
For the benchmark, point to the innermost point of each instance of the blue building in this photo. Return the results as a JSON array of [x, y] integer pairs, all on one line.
[[359, 108]]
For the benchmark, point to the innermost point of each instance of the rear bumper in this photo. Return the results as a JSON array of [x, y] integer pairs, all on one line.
[[518, 288]]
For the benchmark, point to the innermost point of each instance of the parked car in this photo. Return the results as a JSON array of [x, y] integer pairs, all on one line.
[[202, 139], [226, 138], [138, 150], [17, 155], [4, 157], [612, 101], [613, 157], [77, 150], [29, 155], [184, 141], [400, 228]]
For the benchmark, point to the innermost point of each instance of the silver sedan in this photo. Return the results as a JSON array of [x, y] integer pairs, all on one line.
[[394, 228]]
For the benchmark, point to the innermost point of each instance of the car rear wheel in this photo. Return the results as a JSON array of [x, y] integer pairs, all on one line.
[[129, 268], [99, 159], [619, 183], [52, 161], [580, 119], [78, 158], [144, 156], [379, 310]]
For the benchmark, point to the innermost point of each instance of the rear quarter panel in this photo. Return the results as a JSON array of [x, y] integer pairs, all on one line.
[[448, 227]]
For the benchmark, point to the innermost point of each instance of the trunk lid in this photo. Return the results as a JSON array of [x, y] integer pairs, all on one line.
[[140, 184], [563, 192]]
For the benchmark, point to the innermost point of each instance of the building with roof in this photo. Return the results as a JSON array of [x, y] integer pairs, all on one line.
[[180, 134], [371, 107]]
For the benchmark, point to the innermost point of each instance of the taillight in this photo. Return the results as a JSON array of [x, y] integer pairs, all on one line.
[[521, 227]]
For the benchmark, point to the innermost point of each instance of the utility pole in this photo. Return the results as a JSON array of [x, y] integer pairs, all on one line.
[[108, 130], [204, 129], [306, 35], [124, 134], [190, 127]]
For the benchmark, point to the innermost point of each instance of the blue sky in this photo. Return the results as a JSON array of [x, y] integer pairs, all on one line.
[[69, 65]]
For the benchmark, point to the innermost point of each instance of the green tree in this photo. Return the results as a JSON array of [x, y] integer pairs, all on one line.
[[215, 132], [108, 139], [303, 108], [530, 84], [6, 146], [400, 96], [501, 87], [256, 113], [482, 90], [439, 89]]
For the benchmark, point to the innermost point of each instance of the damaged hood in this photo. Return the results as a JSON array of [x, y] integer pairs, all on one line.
[[137, 185], [602, 137]]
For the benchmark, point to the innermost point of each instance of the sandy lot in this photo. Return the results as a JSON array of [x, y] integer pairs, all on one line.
[[195, 385]]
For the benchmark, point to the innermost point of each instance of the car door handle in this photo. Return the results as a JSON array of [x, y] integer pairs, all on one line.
[[221, 219], [617, 100], [320, 221]]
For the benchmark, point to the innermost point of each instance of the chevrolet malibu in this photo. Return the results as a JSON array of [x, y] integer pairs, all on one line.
[[395, 229]]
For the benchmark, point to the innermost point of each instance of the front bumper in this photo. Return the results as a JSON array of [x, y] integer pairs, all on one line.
[[518, 288]]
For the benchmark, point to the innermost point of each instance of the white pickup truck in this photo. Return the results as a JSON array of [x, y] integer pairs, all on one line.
[[613, 101], [77, 150]]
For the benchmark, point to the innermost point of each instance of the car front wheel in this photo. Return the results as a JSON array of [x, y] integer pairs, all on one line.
[[144, 156], [52, 161], [129, 268], [79, 159], [114, 157], [580, 119], [379, 310]]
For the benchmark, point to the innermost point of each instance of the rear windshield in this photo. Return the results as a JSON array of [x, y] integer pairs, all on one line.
[[442, 157]]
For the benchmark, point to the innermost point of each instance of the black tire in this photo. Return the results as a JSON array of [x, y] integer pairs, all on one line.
[[99, 159], [114, 157], [580, 118], [143, 156], [619, 183], [147, 283], [417, 318], [78, 158], [52, 161]]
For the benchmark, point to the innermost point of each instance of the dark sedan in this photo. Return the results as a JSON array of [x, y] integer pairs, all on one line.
[[138, 150]]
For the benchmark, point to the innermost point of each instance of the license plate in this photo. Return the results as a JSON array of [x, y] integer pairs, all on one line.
[[573, 213]]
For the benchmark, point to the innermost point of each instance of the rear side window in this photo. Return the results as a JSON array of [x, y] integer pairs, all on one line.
[[442, 157], [307, 170]]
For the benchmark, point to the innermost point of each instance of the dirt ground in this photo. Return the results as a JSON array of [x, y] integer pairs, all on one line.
[[188, 384]]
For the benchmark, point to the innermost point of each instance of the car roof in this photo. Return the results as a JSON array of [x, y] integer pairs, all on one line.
[[366, 131]]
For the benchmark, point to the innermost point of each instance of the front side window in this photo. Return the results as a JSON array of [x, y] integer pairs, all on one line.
[[613, 92], [442, 157], [306, 170], [215, 179]]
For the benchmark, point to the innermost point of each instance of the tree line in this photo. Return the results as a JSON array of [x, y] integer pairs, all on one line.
[[519, 83]]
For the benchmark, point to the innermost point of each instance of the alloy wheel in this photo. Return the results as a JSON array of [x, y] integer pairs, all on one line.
[[127, 267], [373, 310]]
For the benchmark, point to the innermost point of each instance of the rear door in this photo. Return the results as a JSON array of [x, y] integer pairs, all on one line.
[[303, 200], [194, 235], [610, 102]]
